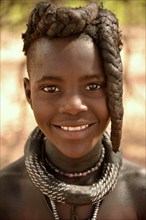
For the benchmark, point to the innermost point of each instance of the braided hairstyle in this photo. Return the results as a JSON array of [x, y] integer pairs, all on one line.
[[101, 25]]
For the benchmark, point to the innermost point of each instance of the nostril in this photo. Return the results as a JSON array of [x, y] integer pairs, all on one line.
[[73, 105]]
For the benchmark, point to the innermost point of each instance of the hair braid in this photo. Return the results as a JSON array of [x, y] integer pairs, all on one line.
[[101, 25], [110, 46], [47, 20]]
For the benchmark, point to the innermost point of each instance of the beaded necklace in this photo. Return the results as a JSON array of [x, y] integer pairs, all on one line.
[[74, 216], [74, 175]]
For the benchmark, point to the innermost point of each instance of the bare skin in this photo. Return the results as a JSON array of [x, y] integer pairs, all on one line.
[[71, 110], [20, 199]]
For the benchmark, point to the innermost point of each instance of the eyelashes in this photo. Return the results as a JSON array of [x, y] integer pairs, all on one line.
[[50, 89], [56, 89], [93, 86]]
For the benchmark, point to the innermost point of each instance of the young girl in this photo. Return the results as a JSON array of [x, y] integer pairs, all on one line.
[[72, 168]]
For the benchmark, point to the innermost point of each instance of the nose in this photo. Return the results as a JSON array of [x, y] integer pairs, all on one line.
[[73, 105]]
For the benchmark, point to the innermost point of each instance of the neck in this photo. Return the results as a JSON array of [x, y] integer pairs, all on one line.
[[70, 164]]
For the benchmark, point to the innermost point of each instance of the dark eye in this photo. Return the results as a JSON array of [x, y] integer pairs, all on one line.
[[93, 86], [50, 89]]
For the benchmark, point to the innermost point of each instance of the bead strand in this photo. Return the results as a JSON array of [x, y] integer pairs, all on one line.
[[74, 175], [54, 210], [94, 217]]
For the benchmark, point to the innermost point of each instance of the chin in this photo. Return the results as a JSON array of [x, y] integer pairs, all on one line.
[[75, 154]]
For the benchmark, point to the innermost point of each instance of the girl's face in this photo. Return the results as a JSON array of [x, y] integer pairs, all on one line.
[[67, 93]]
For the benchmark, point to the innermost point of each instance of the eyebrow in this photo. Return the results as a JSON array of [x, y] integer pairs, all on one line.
[[93, 76], [50, 78], [59, 79]]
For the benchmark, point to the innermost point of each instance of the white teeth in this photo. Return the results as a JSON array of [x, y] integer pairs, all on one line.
[[78, 128]]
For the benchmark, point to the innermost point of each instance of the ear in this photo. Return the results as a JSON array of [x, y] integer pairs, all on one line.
[[27, 89]]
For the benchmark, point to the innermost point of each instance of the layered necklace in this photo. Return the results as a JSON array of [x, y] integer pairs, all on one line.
[[58, 191]]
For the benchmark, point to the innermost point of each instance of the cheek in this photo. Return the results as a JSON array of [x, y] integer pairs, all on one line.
[[102, 109], [43, 111]]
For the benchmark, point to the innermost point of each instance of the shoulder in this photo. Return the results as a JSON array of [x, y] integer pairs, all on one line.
[[20, 199], [133, 178], [13, 168], [11, 180], [13, 173], [133, 174]]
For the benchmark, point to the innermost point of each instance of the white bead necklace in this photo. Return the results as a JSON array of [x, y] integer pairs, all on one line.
[[94, 217]]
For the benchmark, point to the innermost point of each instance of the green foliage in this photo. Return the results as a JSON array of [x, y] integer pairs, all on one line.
[[71, 3], [14, 13], [129, 12]]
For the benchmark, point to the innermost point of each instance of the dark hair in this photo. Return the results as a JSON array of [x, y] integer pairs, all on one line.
[[102, 26]]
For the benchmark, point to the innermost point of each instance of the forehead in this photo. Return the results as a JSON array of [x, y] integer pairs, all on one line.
[[63, 53], [59, 45]]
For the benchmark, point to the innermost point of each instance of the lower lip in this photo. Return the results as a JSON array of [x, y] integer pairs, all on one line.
[[74, 135]]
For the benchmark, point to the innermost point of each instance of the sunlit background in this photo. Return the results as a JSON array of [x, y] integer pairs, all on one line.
[[16, 117]]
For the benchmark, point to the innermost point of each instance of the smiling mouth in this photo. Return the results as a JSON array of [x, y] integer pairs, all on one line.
[[74, 132], [77, 128]]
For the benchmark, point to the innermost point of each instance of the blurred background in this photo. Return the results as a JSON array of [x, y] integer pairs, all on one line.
[[16, 117]]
